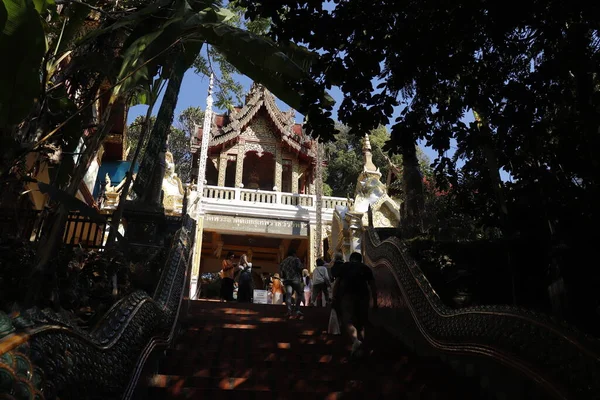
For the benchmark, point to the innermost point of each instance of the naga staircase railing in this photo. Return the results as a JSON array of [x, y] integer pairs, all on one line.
[[45, 356], [517, 353]]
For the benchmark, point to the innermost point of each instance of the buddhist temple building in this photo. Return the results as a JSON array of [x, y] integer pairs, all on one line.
[[259, 193], [260, 147]]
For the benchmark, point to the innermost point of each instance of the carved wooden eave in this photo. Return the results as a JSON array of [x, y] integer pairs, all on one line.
[[235, 123]]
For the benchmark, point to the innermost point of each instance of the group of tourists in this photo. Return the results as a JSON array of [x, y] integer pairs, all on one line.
[[348, 287], [229, 271]]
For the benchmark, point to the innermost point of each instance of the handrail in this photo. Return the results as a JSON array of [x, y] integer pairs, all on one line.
[[564, 362], [242, 195], [53, 358]]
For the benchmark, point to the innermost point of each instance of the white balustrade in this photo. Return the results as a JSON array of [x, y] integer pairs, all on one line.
[[220, 193], [301, 200], [239, 195], [332, 202], [258, 196]]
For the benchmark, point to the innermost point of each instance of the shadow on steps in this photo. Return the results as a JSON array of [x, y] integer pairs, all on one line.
[[247, 351]]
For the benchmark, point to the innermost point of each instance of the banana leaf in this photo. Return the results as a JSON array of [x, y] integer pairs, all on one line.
[[262, 60], [129, 21]]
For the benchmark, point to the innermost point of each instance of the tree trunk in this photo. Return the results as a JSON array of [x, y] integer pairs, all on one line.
[[414, 202], [52, 235], [148, 184], [492, 163], [493, 168], [118, 215]]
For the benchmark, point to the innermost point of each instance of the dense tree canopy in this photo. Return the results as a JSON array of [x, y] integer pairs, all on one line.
[[530, 74], [76, 66], [531, 77]]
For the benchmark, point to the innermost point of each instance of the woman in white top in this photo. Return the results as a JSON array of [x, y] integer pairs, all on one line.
[[245, 280], [307, 286]]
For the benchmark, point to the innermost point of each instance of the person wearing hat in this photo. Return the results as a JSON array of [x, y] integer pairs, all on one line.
[[277, 289]]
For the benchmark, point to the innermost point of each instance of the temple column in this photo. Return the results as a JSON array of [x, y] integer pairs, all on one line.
[[196, 256], [295, 175], [312, 248], [311, 181], [222, 168], [278, 168], [239, 163]]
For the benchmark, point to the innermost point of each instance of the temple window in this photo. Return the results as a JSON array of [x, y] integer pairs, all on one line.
[[230, 170], [286, 178], [212, 175], [259, 171]]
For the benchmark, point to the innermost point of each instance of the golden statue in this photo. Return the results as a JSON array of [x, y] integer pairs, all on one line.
[[172, 187], [112, 193]]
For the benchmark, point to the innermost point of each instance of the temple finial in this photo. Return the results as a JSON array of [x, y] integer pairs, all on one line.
[[366, 143], [367, 155]]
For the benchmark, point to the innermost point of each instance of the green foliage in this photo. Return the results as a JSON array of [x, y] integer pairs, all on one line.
[[533, 79], [345, 160], [229, 91], [178, 145], [531, 76], [21, 39], [62, 71], [189, 118]]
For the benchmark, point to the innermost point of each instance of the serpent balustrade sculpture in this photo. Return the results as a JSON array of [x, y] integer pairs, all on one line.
[[45, 356], [553, 359]]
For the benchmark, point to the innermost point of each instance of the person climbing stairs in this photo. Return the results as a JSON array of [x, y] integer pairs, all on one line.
[[251, 351]]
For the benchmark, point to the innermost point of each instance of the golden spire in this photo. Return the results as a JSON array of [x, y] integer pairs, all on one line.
[[368, 156]]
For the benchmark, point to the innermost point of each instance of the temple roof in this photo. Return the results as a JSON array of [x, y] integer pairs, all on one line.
[[226, 128]]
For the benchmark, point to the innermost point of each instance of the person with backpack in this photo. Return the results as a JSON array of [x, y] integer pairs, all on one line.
[[320, 284], [245, 280], [355, 289], [290, 270]]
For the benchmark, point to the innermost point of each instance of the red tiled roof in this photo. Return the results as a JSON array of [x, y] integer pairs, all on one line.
[[220, 120], [297, 129]]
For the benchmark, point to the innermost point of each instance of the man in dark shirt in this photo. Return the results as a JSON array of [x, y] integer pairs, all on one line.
[[290, 270], [337, 265], [356, 287]]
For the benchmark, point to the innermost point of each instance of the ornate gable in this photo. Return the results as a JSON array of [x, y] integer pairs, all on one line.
[[271, 125], [259, 130]]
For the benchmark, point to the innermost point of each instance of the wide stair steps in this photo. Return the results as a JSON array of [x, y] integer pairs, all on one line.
[[251, 351]]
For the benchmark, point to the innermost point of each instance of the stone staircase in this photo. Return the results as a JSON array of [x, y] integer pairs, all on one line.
[[251, 351]]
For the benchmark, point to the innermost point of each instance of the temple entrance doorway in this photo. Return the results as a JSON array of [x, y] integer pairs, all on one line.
[[264, 252]]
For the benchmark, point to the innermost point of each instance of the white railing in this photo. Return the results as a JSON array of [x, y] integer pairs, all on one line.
[[258, 196], [221, 193], [240, 195], [303, 200], [332, 202]]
